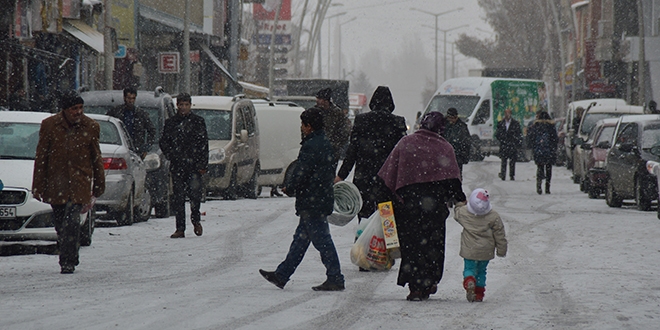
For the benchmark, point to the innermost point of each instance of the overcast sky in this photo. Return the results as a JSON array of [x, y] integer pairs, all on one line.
[[390, 28]]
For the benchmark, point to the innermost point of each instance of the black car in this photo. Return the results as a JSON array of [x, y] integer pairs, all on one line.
[[636, 141], [159, 106]]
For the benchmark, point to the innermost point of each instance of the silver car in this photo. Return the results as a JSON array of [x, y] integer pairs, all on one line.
[[126, 198], [22, 217]]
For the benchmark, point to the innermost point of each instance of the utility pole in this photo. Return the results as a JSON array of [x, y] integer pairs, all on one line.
[[641, 64], [271, 51], [186, 49], [108, 55], [339, 75], [234, 17]]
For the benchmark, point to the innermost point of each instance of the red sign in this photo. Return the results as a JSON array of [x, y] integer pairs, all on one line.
[[266, 12], [168, 62]]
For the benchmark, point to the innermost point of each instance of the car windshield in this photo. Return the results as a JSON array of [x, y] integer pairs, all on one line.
[[109, 133], [606, 134], [19, 140], [465, 104], [590, 120], [218, 123], [651, 136]]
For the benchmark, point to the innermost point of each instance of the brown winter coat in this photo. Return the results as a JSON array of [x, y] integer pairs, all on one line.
[[68, 161], [482, 234]]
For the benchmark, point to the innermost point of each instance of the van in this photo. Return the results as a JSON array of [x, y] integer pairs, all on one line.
[[481, 102], [279, 127], [233, 132], [596, 110]]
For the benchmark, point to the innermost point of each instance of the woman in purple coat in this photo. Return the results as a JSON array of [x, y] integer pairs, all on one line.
[[423, 176]]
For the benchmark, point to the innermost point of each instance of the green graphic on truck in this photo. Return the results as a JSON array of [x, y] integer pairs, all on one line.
[[524, 98]]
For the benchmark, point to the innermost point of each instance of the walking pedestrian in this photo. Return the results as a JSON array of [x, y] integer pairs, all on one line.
[[373, 137], [509, 134], [420, 199], [483, 234], [336, 125], [312, 183], [185, 144], [458, 135], [543, 136], [136, 121], [68, 171]]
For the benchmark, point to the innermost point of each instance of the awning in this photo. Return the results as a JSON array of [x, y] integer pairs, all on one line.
[[224, 70], [171, 21], [85, 33]]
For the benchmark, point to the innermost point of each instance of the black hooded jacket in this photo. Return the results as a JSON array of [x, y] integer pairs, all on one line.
[[373, 137]]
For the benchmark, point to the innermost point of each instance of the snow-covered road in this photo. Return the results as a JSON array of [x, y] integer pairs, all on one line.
[[573, 263]]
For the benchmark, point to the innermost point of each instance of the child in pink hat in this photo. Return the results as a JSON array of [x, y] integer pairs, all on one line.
[[483, 234]]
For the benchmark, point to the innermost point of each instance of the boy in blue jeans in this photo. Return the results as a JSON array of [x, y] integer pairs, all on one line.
[[483, 234]]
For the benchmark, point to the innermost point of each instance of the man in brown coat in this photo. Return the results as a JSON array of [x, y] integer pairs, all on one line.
[[68, 171]]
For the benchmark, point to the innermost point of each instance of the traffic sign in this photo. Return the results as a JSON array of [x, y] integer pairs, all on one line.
[[168, 62]]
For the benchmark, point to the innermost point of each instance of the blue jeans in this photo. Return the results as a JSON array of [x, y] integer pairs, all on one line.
[[315, 230], [476, 268]]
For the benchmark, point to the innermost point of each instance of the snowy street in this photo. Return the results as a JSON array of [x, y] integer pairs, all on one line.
[[573, 263]]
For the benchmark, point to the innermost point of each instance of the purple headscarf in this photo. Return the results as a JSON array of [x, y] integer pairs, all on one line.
[[433, 121]]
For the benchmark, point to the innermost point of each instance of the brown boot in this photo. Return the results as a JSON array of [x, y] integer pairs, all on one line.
[[198, 228], [178, 234], [469, 285], [479, 292]]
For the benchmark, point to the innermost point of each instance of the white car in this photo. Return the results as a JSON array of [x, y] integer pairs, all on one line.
[[22, 217], [126, 198]]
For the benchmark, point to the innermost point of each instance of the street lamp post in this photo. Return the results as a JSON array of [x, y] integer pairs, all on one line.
[[445, 45], [436, 35], [339, 76], [328, 18]]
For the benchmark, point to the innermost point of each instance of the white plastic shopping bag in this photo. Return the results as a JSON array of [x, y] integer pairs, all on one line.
[[369, 251]]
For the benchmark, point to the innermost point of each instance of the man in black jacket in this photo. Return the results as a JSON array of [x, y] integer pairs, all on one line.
[[137, 122], [509, 134], [185, 144], [458, 135], [312, 182], [373, 137], [336, 125]]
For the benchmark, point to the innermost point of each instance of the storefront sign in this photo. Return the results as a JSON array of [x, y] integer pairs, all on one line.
[[168, 62]]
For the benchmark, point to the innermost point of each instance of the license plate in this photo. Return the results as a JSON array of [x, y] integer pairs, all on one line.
[[7, 212]]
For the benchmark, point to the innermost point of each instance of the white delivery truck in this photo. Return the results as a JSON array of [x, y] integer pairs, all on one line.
[[481, 102]]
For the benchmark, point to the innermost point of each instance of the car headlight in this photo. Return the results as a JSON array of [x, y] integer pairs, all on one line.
[[599, 164], [41, 220], [216, 155], [152, 161]]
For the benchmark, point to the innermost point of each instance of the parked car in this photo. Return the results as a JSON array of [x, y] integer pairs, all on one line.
[[22, 217], [561, 148], [595, 151], [233, 132], [636, 140], [279, 129], [159, 106], [597, 110], [126, 198]]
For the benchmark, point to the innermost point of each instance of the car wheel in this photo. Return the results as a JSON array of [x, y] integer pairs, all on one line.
[[162, 209], [87, 229], [126, 217], [252, 189], [231, 193], [475, 150], [641, 195], [143, 210], [592, 191], [611, 197]]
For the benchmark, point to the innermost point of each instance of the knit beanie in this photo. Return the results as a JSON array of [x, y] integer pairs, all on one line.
[[69, 99], [479, 202]]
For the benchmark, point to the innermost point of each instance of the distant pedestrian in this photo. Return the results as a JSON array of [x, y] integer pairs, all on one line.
[[68, 171], [483, 234], [312, 183], [337, 125], [185, 144], [136, 121], [509, 134], [422, 176], [373, 137], [653, 107], [544, 139], [458, 135]]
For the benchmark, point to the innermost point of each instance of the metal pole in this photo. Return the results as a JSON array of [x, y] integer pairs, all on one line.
[[234, 17], [271, 54], [641, 64], [436, 52], [108, 55], [444, 59], [186, 48], [328, 50]]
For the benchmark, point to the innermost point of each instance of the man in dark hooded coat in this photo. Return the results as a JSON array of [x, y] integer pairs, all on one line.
[[373, 137], [337, 125]]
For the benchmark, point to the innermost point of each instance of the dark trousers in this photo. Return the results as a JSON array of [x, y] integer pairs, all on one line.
[[315, 230], [66, 218], [186, 184], [512, 166], [544, 171]]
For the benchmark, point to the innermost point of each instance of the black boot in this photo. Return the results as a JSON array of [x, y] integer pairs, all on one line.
[[547, 187], [538, 187]]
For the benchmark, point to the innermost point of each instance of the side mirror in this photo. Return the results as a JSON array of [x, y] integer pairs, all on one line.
[[578, 141], [244, 135], [604, 145], [586, 146], [626, 147], [419, 114]]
